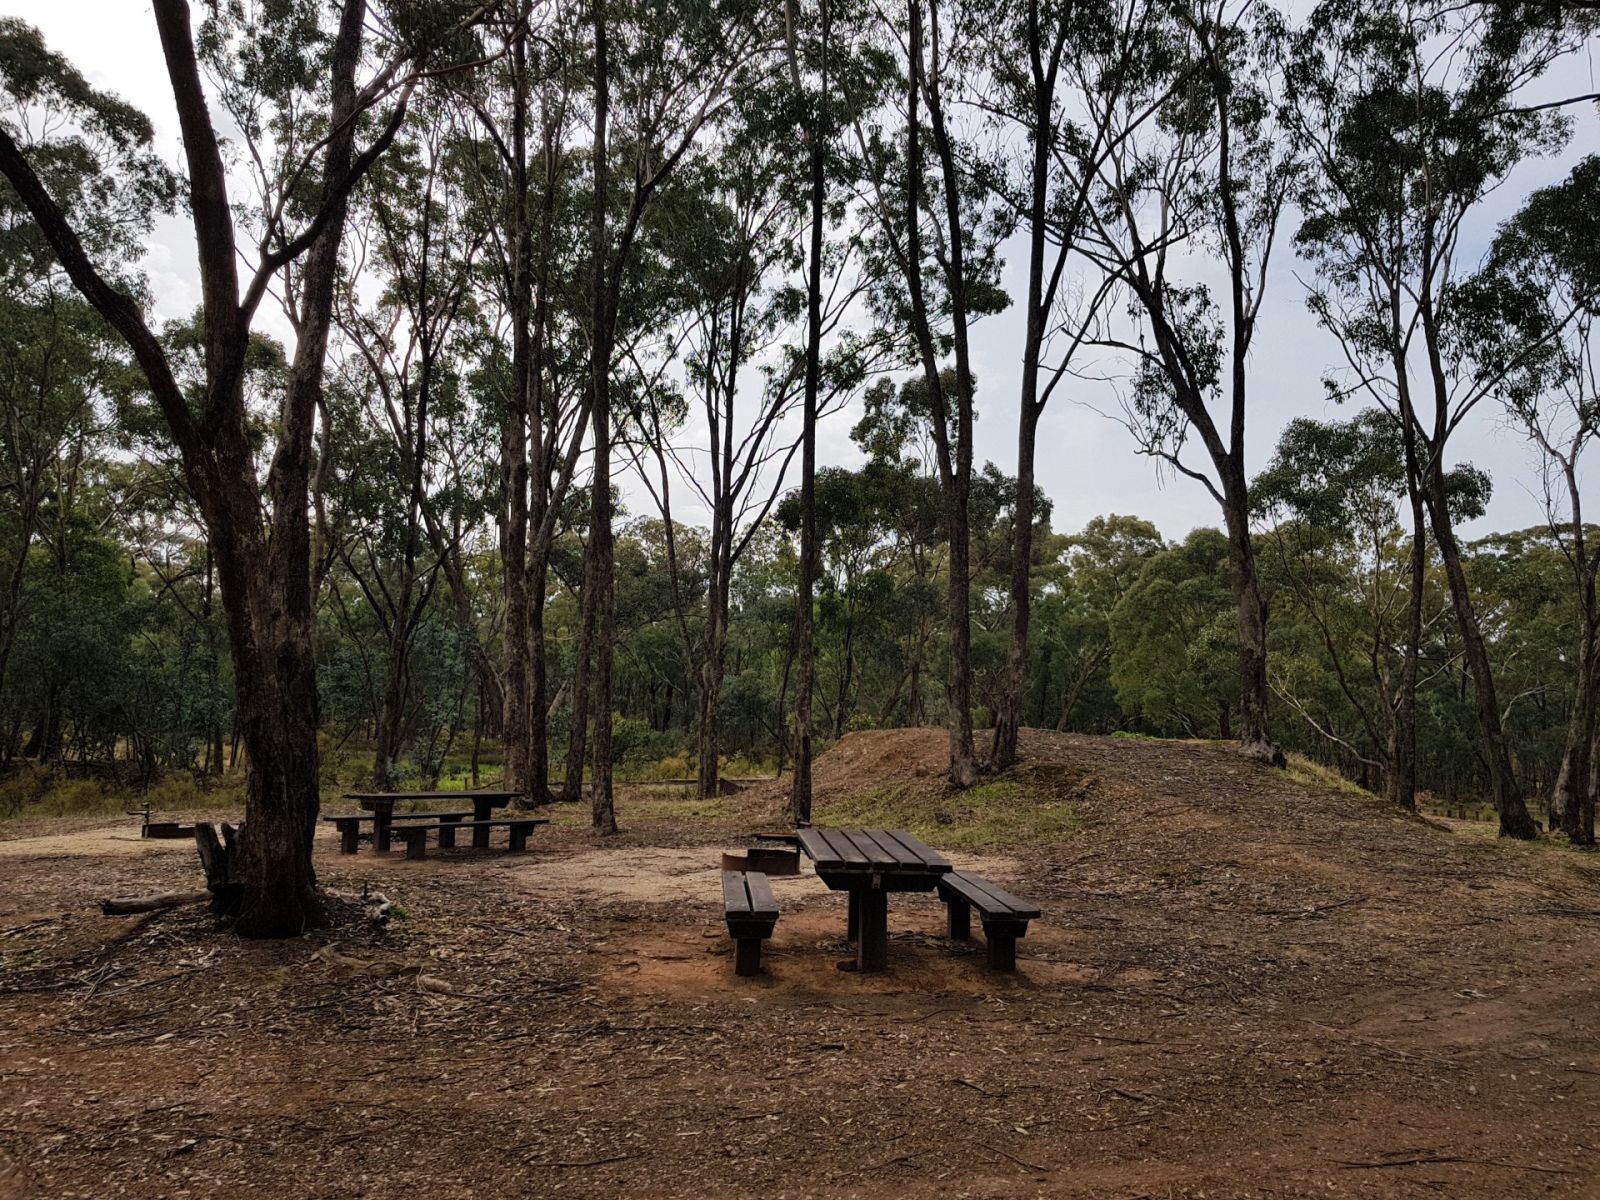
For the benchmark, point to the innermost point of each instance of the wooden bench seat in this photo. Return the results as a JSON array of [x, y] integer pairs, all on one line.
[[1005, 917], [416, 836], [349, 824], [752, 913]]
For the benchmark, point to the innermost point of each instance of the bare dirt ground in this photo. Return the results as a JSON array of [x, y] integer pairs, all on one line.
[[1243, 986]]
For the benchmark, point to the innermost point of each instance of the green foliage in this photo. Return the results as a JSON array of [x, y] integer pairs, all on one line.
[[1174, 641]]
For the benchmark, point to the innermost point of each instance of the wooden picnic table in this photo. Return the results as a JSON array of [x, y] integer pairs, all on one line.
[[381, 806], [868, 864]]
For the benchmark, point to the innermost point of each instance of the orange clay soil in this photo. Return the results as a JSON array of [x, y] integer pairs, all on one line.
[[1242, 986]]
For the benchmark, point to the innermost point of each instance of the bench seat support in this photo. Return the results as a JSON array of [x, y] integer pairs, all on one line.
[[1005, 917]]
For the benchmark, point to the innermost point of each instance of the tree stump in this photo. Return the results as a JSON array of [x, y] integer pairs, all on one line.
[[217, 858]]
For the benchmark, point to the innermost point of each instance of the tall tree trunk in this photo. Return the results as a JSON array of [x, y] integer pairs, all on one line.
[[955, 469], [551, 473], [1251, 608], [1508, 802], [1573, 801], [805, 631], [514, 446], [709, 745], [1402, 751], [1003, 752], [600, 599], [578, 733], [538, 684]]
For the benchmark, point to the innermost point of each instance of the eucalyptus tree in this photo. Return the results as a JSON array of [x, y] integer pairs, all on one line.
[[1043, 61], [1331, 500], [58, 365], [819, 131], [1541, 288], [672, 70], [1405, 143], [1204, 179], [836, 71], [733, 234], [730, 237], [291, 90], [413, 251], [526, 106], [936, 268]]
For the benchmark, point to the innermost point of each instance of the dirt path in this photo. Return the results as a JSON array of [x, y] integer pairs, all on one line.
[[1243, 987]]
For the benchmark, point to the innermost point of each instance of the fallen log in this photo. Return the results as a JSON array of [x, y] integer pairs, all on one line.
[[121, 906]]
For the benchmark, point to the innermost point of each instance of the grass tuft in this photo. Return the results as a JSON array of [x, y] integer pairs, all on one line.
[[997, 813], [1313, 774], [31, 793]]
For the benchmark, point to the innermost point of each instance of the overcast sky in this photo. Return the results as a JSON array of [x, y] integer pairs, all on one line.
[[1087, 464]]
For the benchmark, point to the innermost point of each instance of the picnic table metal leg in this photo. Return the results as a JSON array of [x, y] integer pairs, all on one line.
[[481, 811], [349, 835], [872, 950], [380, 831], [852, 922]]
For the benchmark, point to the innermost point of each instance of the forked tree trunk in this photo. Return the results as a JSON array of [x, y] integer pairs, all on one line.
[[1043, 67], [1251, 609], [264, 571]]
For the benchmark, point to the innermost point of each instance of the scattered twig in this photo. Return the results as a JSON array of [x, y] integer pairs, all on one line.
[[1426, 1159], [593, 1162], [980, 1089], [1021, 1162], [1134, 1096]]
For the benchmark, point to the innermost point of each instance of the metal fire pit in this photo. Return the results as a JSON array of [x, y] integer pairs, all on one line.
[[769, 860], [166, 829]]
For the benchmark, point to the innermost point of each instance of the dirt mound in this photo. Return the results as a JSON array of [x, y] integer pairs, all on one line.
[[869, 758]]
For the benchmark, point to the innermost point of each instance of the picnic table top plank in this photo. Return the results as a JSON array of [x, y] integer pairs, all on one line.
[[829, 852], [917, 848], [485, 794], [845, 853], [878, 854], [870, 850]]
